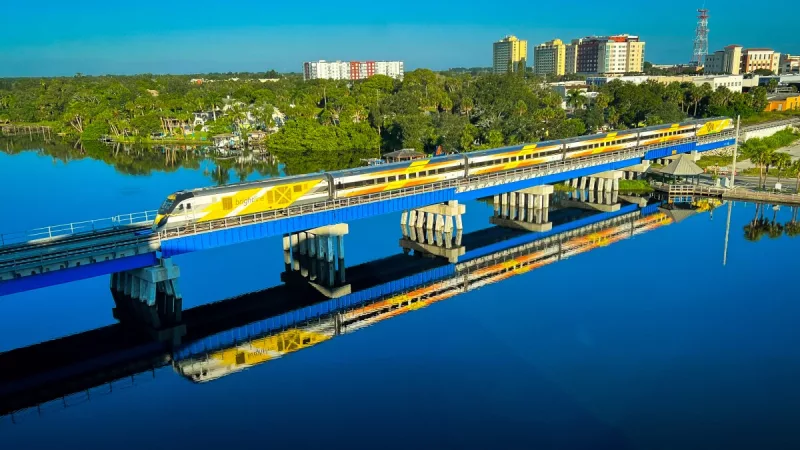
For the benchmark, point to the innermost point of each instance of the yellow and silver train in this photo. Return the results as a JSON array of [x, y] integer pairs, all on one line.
[[242, 199]]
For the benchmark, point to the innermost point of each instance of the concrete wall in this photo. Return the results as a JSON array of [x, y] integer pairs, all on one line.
[[765, 132]]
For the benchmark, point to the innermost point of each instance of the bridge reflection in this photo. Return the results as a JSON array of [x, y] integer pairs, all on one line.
[[234, 334]]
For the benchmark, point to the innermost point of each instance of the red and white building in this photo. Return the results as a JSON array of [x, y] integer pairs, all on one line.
[[351, 70]]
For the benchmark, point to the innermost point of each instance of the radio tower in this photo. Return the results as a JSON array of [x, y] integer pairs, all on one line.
[[701, 38]]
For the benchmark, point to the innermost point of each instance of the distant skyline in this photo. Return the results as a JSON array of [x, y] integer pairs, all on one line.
[[94, 37]]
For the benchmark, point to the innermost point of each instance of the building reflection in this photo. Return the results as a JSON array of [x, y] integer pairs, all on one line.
[[231, 335]]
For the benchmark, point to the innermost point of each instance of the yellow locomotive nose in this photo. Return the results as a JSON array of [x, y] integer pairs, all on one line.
[[160, 220]]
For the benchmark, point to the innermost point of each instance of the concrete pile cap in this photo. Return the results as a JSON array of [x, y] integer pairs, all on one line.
[[682, 166]]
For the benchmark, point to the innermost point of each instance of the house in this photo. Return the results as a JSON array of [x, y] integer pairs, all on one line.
[[256, 136], [202, 118], [227, 140]]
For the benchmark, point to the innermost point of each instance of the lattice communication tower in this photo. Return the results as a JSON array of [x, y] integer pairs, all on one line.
[[701, 38]]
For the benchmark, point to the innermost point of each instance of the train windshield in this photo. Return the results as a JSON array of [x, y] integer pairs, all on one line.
[[166, 207]]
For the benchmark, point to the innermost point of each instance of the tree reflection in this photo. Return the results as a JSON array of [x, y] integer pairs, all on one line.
[[139, 160]]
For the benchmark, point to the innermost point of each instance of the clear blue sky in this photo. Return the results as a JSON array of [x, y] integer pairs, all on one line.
[[98, 37]]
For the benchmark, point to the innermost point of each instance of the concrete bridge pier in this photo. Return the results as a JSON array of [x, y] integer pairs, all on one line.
[[434, 230], [150, 298], [317, 258], [528, 209], [602, 192]]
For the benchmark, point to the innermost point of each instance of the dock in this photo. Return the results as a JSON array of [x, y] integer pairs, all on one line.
[[685, 192]]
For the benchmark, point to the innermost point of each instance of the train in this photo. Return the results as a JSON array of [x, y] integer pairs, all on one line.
[[243, 199]]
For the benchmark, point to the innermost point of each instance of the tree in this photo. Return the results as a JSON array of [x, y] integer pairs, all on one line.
[[763, 72], [575, 99], [781, 161]]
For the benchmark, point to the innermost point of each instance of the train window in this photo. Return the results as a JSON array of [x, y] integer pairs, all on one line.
[[412, 175], [180, 207], [188, 206], [505, 160], [381, 180], [441, 170], [401, 177]]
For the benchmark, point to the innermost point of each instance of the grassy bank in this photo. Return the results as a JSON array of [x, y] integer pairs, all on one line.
[[719, 161], [639, 186]]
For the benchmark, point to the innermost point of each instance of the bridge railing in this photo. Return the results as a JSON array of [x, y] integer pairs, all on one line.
[[471, 180], [776, 123], [44, 234]]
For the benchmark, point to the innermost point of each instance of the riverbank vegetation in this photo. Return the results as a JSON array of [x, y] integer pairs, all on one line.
[[459, 111], [762, 153]]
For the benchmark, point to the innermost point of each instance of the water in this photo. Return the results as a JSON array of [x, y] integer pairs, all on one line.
[[647, 343]]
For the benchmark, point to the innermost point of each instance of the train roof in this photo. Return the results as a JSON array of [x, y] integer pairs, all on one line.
[[394, 165], [235, 187], [511, 148]]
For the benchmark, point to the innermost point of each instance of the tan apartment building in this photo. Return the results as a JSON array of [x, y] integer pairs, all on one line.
[[760, 58], [509, 55], [549, 58]]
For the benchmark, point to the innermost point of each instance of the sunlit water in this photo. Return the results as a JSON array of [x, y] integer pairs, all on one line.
[[648, 343]]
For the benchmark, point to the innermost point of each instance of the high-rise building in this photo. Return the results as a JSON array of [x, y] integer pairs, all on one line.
[[509, 55], [549, 58], [789, 64], [351, 70], [618, 54], [571, 56]]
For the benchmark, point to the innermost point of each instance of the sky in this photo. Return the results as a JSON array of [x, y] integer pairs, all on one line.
[[106, 37]]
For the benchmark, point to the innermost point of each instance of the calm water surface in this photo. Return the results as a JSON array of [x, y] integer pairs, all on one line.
[[647, 343]]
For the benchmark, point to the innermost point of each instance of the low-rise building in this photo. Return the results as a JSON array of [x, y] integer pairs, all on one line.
[[789, 64], [351, 70], [784, 102], [759, 59]]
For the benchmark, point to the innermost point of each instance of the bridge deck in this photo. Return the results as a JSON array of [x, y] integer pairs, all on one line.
[[87, 255]]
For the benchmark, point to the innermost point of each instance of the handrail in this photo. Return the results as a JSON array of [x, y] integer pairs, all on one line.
[[45, 234], [528, 172]]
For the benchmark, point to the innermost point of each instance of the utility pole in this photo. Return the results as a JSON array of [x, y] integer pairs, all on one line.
[[735, 152], [727, 233]]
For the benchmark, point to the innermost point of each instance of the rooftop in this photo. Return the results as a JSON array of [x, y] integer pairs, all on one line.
[[783, 96], [682, 166]]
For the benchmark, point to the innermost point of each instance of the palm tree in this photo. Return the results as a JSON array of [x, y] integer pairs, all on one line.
[[795, 168], [575, 99], [781, 161], [792, 227], [774, 228]]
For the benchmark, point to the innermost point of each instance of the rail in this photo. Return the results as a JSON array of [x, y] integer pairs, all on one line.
[[467, 182], [48, 234], [777, 123], [45, 234]]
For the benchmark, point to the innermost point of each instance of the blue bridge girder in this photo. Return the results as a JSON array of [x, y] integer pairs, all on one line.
[[77, 257]]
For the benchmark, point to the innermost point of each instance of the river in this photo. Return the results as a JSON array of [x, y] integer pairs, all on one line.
[[648, 342]]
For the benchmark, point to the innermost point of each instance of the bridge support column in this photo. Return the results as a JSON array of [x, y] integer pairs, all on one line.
[[602, 194], [433, 234], [150, 298], [318, 260], [533, 211]]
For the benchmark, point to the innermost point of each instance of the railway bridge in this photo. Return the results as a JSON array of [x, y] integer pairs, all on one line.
[[139, 259]]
